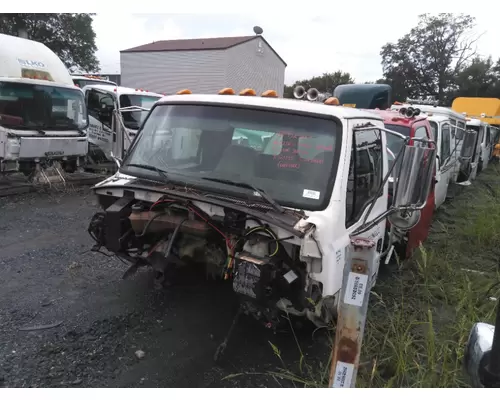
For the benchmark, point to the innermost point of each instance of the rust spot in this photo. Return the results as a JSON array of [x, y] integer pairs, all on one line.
[[347, 350], [360, 243], [359, 266]]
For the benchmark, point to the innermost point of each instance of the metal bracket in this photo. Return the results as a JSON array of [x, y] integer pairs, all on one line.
[[352, 312]]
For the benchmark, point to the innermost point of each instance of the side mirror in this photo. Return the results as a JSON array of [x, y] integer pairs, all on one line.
[[413, 177], [477, 352]]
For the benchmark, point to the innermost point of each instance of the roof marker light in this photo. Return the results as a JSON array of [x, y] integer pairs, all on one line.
[[332, 101], [226, 91], [184, 91], [269, 93], [248, 92]]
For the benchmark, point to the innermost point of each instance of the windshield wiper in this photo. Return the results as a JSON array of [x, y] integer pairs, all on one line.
[[160, 172], [263, 194]]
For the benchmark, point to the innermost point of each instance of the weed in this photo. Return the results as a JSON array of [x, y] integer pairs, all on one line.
[[420, 315]]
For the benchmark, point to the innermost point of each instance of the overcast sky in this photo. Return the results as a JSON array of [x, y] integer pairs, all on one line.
[[310, 45]]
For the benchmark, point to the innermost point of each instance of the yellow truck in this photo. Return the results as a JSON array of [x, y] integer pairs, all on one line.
[[485, 109]]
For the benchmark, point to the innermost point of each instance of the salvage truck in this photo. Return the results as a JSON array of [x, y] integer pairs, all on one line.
[[108, 104], [485, 109], [461, 163], [410, 123], [43, 118], [281, 222]]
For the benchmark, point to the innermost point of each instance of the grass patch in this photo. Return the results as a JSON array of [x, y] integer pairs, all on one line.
[[420, 313]]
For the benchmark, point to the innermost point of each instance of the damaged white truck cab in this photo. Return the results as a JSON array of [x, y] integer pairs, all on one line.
[[272, 215], [115, 115], [42, 114]]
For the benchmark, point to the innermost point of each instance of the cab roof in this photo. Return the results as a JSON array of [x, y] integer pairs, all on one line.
[[395, 118], [95, 79], [119, 90], [431, 110], [475, 122], [18, 54], [438, 118], [275, 103]]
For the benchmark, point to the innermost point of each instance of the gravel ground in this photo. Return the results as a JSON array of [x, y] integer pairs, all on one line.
[[48, 276]]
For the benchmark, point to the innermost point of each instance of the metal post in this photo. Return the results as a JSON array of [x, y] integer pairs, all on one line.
[[352, 311]]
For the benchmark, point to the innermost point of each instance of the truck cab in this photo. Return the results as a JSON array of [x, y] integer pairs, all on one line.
[[364, 96], [83, 80], [485, 109], [43, 117], [462, 164], [275, 219], [110, 105], [412, 125], [483, 144], [447, 156]]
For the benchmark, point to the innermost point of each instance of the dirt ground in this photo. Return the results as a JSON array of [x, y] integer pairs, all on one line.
[[49, 276]]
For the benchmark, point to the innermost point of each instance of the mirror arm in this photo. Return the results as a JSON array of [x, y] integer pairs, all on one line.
[[366, 227], [384, 181]]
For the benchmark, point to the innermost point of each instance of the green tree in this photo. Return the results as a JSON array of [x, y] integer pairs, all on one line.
[[70, 36], [324, 83], [477, 79], [480, 78], [426, 61]]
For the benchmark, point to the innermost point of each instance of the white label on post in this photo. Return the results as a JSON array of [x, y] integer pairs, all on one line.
[[343, 375], [356, 288]]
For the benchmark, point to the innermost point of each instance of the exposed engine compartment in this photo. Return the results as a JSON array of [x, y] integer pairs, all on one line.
[[264, 270]]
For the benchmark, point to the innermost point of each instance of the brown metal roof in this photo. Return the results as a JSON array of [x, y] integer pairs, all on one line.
[[221, 43]]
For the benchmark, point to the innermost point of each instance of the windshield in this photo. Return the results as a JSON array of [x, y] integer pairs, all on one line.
[[133, 120], [84, 82], [395, 143], [36, 106], [291, 157]]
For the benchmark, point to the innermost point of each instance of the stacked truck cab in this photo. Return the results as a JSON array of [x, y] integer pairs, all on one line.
[[483, 115], [115, 115], [43, 117]]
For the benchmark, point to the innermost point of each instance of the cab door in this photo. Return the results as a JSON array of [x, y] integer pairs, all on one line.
[[444, 165], [486, 148], [100, 108], [421, 231], [477, 153], [367, 168]]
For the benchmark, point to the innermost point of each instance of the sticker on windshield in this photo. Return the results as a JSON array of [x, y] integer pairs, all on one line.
[[311, 194]]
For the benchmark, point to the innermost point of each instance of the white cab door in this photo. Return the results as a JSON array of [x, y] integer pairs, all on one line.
[[444, 165]]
